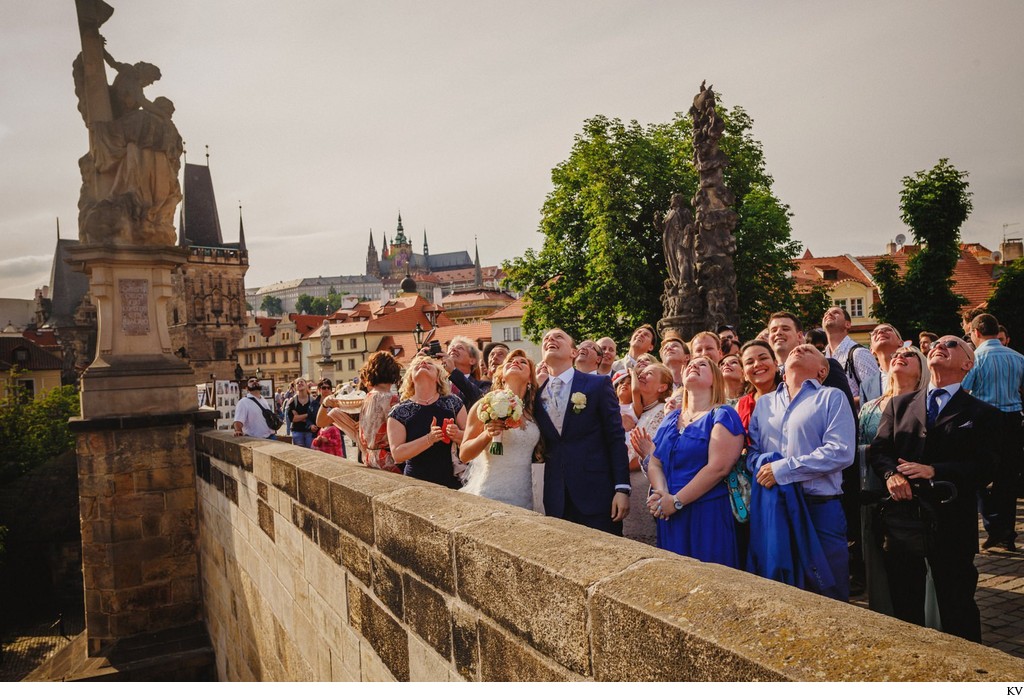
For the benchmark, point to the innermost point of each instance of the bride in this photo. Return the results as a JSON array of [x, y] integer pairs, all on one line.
[[507, 477]]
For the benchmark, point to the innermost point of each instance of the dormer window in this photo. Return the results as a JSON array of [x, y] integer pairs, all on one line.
[[21, 356]]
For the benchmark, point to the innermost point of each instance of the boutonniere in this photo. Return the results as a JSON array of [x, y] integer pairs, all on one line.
[[579, 401]]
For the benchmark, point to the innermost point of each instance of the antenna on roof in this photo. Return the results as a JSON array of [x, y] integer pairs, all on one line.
[[900, 240]]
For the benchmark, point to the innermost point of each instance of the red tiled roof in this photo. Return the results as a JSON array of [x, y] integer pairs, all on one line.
[[514, 310], [304, 323]]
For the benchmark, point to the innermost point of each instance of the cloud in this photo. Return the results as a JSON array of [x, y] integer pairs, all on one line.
[[25, 265]]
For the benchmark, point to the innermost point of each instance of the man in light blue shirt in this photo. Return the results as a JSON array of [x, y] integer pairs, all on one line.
[[997, 378], [812, 428]]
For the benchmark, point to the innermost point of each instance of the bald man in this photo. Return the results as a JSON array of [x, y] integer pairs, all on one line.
[[804, 433]]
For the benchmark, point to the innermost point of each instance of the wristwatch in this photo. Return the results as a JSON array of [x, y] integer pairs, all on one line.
[[677, 503], [623, 489]]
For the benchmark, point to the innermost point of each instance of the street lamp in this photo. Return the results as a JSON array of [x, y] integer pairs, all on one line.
[[417, 334]]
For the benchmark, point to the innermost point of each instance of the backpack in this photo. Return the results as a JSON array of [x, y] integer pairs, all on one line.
[[850, 368], [273, 422]]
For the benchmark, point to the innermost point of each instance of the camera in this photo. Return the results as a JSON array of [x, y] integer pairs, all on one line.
[[435, 348]]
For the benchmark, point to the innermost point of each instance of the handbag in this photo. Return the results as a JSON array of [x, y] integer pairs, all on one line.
[[273, 422], [738, 483]]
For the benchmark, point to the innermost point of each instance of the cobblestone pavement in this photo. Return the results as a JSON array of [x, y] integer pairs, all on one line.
[[1000, 598]]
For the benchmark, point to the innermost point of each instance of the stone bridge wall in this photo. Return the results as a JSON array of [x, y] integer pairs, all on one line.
[[314, 568]]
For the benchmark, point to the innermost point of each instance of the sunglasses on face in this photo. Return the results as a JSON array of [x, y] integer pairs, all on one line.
[[904, 354]]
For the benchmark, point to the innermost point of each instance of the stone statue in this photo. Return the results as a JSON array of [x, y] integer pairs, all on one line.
[[700, 292], [130, 174], [325, 341]]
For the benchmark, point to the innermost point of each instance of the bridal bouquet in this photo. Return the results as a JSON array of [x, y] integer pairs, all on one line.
[[500, 405]]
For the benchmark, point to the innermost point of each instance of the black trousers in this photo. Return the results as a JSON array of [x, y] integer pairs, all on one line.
[[956, 581], [601, 521]]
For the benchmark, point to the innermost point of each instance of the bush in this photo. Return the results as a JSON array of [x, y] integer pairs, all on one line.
[[32, 431]]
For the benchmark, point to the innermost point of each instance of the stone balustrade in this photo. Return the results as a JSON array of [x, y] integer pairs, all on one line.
[[315, 568]]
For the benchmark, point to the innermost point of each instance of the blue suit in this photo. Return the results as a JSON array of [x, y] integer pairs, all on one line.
[[584, 463]]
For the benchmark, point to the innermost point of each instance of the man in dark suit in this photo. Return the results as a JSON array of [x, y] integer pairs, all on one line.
[[586, 469], [941, 434]]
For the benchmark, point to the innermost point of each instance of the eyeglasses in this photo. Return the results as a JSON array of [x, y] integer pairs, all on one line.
[[904, 354], [882, 329]]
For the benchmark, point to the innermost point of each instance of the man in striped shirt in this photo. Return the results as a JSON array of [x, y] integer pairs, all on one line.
[[998, 379]]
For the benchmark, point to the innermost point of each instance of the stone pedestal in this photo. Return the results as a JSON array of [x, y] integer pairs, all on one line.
[[135, 370], [137, 496], [327, 371], [686, 325]]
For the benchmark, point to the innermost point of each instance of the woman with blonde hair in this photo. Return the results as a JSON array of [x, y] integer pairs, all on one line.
[[653, 387], [908, 372], [505, 477], [423, 426], [687, 462]]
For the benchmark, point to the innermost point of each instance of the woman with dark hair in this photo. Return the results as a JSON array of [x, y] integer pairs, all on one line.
[[762, 374], [505, 477], [380, 373], [425, 423]]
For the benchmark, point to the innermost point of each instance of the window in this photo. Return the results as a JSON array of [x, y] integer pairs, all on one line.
[[27, 389], [21, 356], [341, 344], [511, 334], [856, 307], [351, 364], [273, 357], [352, 343], [296, 356], [220, 350]]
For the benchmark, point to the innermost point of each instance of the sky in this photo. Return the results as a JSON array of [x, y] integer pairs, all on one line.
[[326, 118]]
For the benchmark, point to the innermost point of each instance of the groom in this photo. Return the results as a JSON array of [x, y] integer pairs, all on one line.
[[586, 472]]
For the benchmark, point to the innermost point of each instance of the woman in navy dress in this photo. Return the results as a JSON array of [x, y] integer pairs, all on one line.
[[416, 429], [688, 460]]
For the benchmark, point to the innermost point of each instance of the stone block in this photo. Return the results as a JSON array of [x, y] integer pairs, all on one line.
[[314, 485], [139, 504], [231, 489], [173, 615], [185, 589], [168, 568], [306, 522], [146, 597], [217, 479], [425, 666], [465, 646], [137, 551], [527, 574], [414, 527], [352, 494], [266, 519], [387, 583], [261, 489], [168, 478], [329, 539], [355, 557], [427, 613], [373, 669], [284, 477], [505, 659], [289, 541], [386, 636]]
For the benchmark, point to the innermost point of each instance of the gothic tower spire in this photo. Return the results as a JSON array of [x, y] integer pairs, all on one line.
[[372, 261], [426, 250], [478, 273], [241, 229]]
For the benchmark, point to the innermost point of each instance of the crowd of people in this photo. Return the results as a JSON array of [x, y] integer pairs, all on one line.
[[806, 458]]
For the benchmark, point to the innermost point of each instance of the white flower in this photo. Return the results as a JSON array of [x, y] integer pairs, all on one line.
[[579, 401]]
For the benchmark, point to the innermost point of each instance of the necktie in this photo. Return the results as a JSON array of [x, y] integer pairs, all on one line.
[[933, 406], [555, 409]]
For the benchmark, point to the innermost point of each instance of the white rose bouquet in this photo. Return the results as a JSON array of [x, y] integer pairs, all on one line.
[[501, 405]]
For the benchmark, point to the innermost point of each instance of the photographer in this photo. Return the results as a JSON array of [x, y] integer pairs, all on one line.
[[462, 362]]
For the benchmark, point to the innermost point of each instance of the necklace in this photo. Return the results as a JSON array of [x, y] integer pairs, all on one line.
[[427, 402], [688, 417]]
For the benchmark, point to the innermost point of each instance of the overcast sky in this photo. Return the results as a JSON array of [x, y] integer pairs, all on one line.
[[325, 118]]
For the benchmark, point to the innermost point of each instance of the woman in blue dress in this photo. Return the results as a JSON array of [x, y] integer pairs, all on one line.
[[687, 462]]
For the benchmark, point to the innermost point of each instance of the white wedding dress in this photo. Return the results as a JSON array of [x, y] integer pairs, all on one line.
[[507, 477]]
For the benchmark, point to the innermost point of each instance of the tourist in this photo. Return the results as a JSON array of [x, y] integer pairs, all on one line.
[[1004, 336], [925, 340], [908, 372], [885, 340], [926, 440], [462, 362], [588, 357], [735, 384], [997, 378], [862, 371], [687, 462], [608, 351], [301, 415], [654, 386], [494, 357], [802, 437], [378, 376], [416, 429], [249, 419], [507, 477], [818, 338], [706, 344], [730, 339], [762, 374], [624, 393], [642, 341], [675, 355]]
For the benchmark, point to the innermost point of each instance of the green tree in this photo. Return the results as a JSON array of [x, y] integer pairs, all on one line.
[[1005, 302], [32, 431], [601, 268], [934, 204], [272, 306]]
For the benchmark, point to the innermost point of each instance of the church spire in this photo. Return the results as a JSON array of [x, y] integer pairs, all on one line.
[[400, 238], [426, 250], [241, 229], [372, 261], [478, 274]]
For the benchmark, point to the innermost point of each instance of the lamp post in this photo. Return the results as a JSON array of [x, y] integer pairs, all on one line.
[[417, 334]]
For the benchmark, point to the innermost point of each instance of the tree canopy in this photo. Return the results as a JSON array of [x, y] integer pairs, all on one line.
[[601, 268], [272, 306], [934, 204], [1005, 304]]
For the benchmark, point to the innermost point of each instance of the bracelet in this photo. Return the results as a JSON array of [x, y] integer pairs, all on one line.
[[644, 461]]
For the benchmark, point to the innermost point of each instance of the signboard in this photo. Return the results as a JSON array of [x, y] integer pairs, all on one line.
[[225, 398], [134, 306]]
